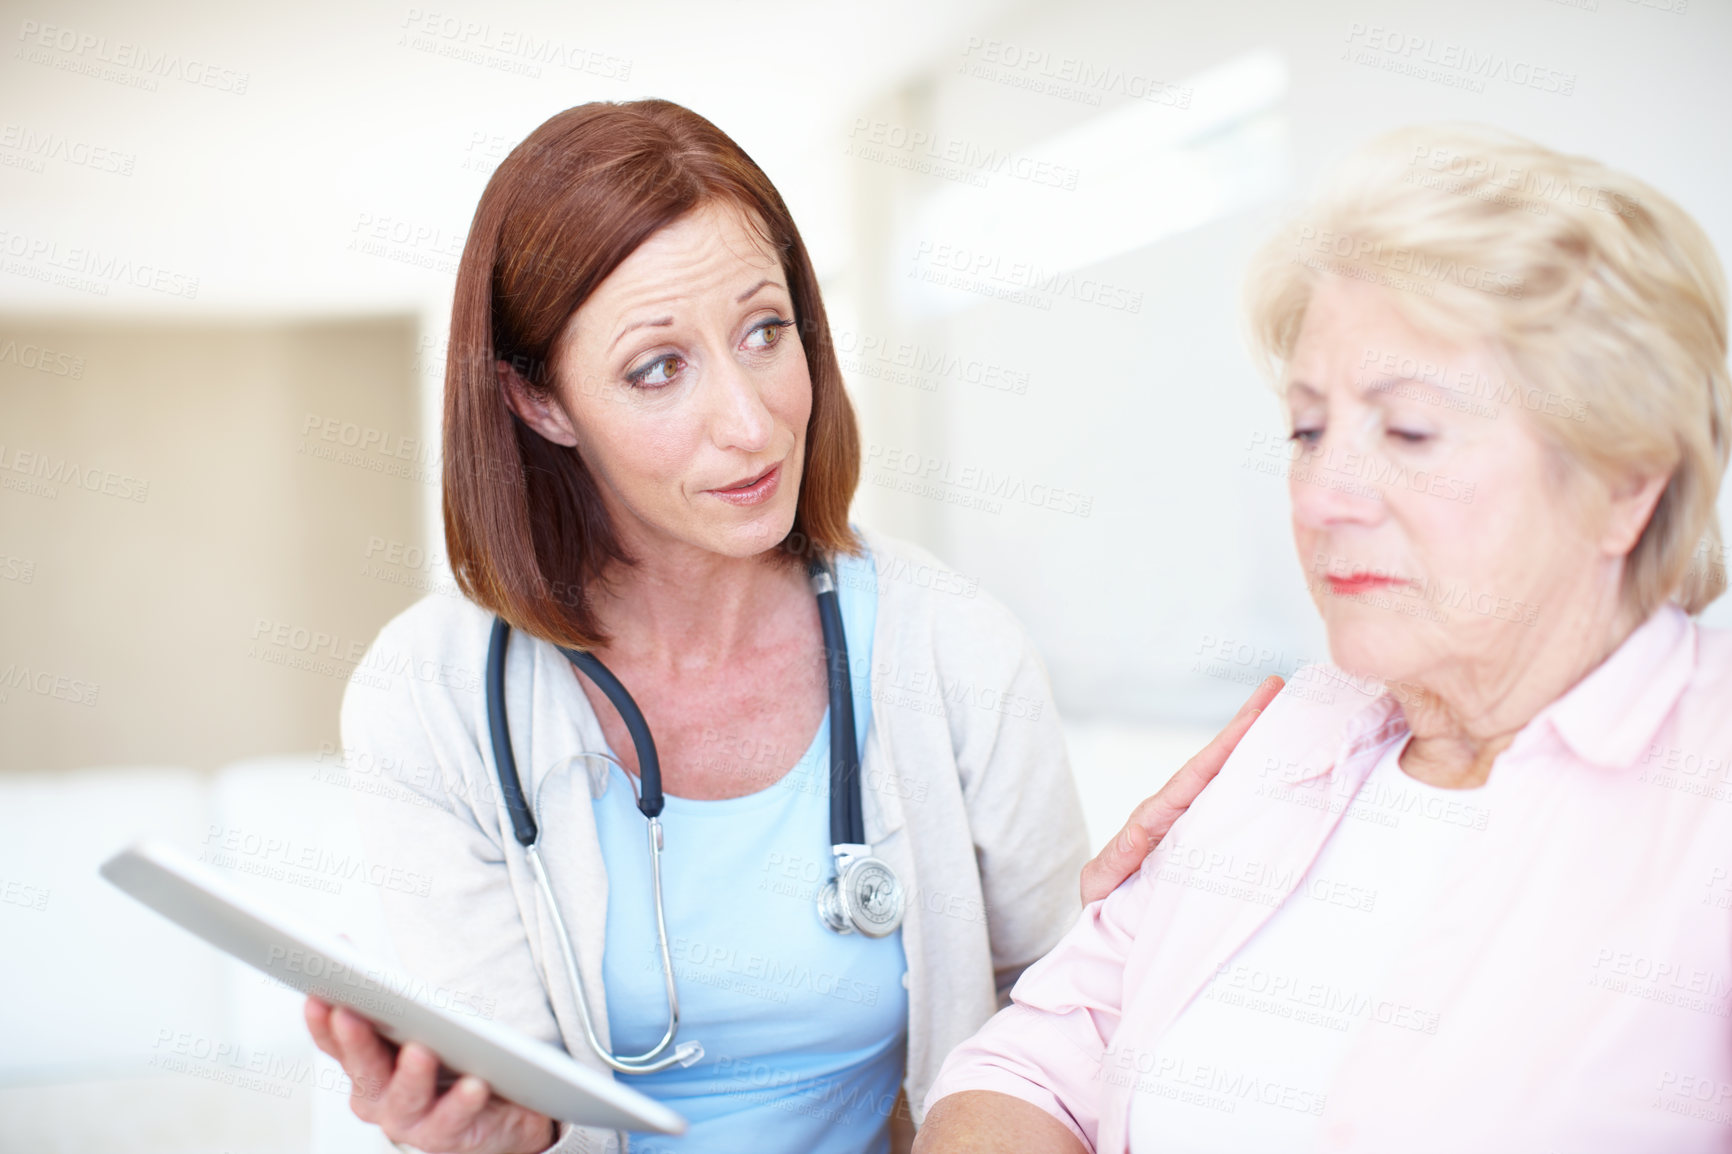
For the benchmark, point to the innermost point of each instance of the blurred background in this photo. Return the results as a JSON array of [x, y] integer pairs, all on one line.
[[227, 248]]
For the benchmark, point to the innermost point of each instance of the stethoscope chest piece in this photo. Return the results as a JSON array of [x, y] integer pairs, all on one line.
[[864, 897]]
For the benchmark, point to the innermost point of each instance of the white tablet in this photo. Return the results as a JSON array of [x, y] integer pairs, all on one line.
[[518, 1068]]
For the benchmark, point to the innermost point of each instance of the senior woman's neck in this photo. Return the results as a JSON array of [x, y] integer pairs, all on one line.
[[1466, 715]]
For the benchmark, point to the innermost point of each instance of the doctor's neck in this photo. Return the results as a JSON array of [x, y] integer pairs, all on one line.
[[686, 604]]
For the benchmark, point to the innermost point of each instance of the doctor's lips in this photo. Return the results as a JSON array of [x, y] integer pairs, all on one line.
[[753, 490], [1360, 581]]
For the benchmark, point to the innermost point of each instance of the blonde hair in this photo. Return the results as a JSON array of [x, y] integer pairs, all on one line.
[[1602, 297]]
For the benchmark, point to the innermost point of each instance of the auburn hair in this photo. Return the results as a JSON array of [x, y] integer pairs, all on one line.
[[525, 528]]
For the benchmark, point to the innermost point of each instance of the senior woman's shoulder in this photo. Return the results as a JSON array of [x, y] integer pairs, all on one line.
[[1710, 687], [1713, 652], [1318, 713]]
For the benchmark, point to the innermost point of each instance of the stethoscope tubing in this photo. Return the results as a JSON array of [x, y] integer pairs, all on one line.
[[847, 821], [847, 818], [525, 829]]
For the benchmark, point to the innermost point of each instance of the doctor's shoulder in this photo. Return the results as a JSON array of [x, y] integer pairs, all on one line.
[[957, 678], [438, 644], [418, 689]]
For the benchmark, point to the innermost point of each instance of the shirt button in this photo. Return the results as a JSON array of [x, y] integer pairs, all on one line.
[[905, 979]]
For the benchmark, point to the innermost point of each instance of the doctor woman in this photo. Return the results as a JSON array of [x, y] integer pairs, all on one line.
[[649, 460]]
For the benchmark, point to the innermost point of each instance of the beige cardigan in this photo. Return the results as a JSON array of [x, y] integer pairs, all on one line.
[[968, 795]]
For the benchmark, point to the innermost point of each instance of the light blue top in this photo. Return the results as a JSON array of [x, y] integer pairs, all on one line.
[[803, 1029]]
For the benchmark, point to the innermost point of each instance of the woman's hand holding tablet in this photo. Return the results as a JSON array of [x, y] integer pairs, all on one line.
[[406, 1093], [388, 1033]]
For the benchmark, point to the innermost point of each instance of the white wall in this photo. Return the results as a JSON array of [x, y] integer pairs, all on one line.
[[367, 116], [1178, 589], [250, 154]]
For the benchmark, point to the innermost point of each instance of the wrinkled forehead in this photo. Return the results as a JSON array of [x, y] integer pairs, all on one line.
[[716, 256], [710, 244], [1360, 337]]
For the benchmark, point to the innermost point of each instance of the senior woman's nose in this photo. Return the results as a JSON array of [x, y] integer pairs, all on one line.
[[1332, 486]]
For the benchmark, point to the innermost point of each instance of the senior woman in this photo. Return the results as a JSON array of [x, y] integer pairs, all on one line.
[[649, 459], [1469, 890]]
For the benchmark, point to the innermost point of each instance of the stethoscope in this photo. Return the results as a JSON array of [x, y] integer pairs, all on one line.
[[864, 895]]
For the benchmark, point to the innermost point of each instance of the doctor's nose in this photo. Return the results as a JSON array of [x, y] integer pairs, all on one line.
[[739, 418]]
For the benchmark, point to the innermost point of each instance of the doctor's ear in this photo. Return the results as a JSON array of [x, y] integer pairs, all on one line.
[[538, 408]]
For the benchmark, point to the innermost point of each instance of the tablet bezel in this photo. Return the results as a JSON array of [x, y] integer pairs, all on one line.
[[518, 1068]]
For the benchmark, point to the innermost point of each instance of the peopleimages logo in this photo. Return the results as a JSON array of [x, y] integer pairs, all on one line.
[[38, 147], [1490, 178], [1445, 62], [921, 366], [947, 480], [514, 50], [1017, 281], [952, 157], [44, 360], [17, 678], [89, 269], [1325, 245], [1065, 77], [48, 471], [121, 60]]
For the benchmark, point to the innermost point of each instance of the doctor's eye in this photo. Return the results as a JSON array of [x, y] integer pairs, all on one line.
[[767, 334], [656, 373]]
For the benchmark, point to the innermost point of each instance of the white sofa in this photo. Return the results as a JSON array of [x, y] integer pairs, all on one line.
[[120, 1032]]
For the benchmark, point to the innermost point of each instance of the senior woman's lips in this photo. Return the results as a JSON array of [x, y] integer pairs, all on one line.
[[1346, 584], [753, 490]]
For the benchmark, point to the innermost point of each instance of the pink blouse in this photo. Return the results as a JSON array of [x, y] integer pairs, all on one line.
[[1576, 973]]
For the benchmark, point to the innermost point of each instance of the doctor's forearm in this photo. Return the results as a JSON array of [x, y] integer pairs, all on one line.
[[984, 1122]]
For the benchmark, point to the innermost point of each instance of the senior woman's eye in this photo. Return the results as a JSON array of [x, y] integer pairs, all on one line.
[[1410, 436], [656, 373], [1306, 437]]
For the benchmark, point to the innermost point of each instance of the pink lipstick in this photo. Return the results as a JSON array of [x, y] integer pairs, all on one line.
[[752, 490], [1347, 584]]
